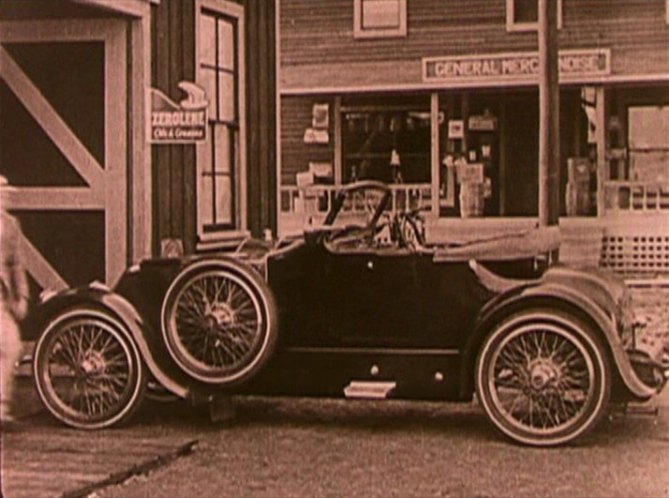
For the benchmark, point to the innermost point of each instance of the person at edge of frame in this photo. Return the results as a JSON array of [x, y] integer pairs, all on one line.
[[13, 304]]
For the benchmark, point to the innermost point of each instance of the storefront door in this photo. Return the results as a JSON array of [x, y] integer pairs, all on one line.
[[520, 189], [63, 145]]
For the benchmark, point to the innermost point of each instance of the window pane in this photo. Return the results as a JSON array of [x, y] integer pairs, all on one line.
[[227, 97], [207, 40], [525, 11], [223, 200], [649, 143], [206, 202], [380, 14], [208, 80], [226, 45], [649, 127], [222, 149], [375, 142]]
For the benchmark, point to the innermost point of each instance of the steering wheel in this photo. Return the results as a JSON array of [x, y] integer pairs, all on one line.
[[357, 236], [406, 229]]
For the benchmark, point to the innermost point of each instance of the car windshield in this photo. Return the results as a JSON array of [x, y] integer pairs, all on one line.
[[359, 204]]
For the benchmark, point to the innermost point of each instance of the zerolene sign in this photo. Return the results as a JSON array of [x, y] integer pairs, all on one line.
[[573, 64], [185, 122]]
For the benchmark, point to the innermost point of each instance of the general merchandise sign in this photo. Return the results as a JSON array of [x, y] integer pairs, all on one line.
[[514, 66]]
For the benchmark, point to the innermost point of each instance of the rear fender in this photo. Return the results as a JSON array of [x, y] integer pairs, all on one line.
[[101, 297], [563, 297]]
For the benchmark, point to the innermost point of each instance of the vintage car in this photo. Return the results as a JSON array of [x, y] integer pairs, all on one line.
[[359, 307]]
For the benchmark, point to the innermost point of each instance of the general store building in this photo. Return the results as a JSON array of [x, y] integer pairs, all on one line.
[[408, 91], [436, 98]]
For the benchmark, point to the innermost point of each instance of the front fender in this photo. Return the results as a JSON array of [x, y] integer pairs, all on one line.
[[99, 296], [559, 296]]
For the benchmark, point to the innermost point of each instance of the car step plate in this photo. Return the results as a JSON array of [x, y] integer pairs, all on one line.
[[369, 389]]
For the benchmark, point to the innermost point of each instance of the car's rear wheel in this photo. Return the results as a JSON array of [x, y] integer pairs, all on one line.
[[88, 372], [543, 377], [219, 322]]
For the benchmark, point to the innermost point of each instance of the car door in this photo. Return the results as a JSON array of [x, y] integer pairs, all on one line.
[[375, 299]]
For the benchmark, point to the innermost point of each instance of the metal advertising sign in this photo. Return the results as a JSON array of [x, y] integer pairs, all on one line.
[[514, 66], [172, 123]]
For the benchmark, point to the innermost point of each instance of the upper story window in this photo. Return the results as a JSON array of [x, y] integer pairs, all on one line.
[[379, 18], [523, 15]]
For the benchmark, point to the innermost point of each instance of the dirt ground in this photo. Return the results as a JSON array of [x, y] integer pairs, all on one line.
[[323, 448]]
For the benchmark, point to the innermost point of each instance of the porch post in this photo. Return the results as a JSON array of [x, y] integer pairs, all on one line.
[[141, 196], [549, 118], [600, 137], [435, 162]]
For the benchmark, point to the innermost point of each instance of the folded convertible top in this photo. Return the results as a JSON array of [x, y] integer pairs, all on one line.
[[520, 245]]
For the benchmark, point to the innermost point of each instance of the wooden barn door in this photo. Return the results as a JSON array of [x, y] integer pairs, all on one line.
[[63, 146]]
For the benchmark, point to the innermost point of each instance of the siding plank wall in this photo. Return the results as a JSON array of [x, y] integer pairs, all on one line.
[[295, 154], [316, 34], [173, 42], [261, 120]]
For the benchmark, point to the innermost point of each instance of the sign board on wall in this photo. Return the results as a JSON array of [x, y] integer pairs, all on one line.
[[185, 122], [514, 66], [456, 129]]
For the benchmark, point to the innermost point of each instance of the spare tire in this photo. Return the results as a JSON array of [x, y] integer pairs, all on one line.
[[219, 322]]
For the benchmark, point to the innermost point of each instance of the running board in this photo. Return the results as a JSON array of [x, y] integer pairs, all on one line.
[[369, 389]]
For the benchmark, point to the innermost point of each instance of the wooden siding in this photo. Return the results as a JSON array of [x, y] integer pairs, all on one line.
[[317, 42], [172, 56], [260, 117], [295, 154]]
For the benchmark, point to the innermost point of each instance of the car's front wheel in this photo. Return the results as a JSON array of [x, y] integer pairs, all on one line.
[[543, 377]]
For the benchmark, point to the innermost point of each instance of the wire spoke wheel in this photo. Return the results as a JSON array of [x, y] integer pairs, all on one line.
[[88, 374], [218, 323], [543, 378]]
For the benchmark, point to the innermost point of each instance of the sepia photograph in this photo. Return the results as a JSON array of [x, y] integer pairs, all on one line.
[[334, 248]]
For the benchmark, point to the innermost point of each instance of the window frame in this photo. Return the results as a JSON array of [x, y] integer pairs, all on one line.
[[212, 233], [512, 26], [359, 32]]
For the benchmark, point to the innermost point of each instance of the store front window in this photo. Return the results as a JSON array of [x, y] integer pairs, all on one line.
[[454, 154], [649, 143], [637, 150], [386, 140]]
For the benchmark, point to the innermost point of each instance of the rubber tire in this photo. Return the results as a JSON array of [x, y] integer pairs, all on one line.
[[268, 311], [41, 354], [591, 343]]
